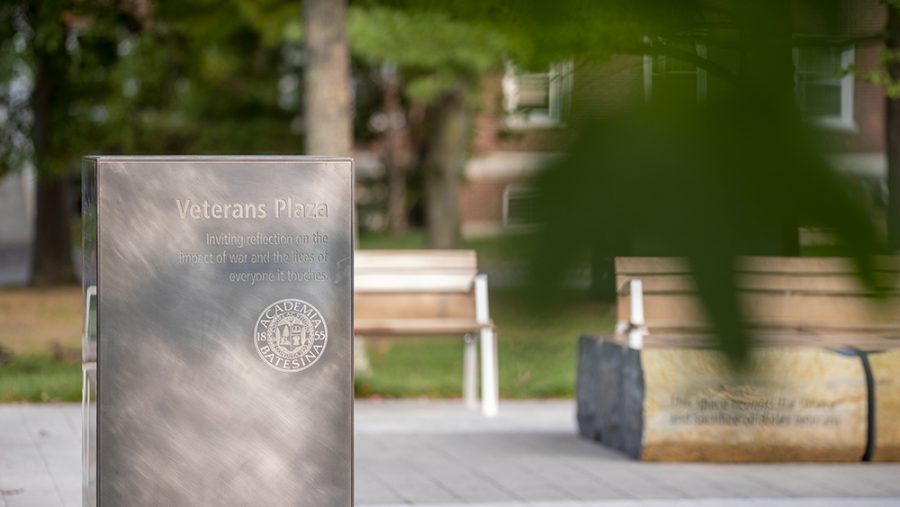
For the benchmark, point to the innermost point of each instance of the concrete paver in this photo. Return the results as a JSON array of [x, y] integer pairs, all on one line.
[[437, 454]]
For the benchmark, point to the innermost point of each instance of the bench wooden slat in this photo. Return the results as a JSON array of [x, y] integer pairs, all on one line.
[[694, 327], [783, 309], [796, 283], [398, 327], [637, 266], [662, 342], [794, 301], [414, 271], [404, 282], [668, 338], [411, 305], [428, 260], [813, 265]]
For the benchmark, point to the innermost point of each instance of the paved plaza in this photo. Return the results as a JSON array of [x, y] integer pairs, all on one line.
[[440, 455]]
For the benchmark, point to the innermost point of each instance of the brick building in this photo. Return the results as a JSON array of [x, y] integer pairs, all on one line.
[[524, 114]]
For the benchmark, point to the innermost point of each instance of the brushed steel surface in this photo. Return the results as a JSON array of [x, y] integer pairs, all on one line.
[[89, 334], [188, 411]]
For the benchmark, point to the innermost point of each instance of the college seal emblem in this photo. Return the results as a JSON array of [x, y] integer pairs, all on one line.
[[290, 335]]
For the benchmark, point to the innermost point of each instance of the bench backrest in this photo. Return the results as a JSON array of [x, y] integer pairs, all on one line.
[[788, 298], [415, 284]]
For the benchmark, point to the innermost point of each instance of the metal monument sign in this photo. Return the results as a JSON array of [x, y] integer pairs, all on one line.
[[219, 303]]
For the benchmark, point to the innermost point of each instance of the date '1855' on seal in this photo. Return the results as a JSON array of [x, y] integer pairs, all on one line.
[[290, 335]]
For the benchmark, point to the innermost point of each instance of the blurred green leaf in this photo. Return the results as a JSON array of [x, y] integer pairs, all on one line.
[[435, 53]]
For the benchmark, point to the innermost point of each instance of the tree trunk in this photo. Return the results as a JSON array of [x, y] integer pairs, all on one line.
[[447, 146], [892, 133], [327, 105], [398, 221], [399, 152], [767, 68], [52, 249]]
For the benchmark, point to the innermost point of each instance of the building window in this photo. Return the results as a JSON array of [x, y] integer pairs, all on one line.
[[537, 99], [673, 78], [519, 207], [824, 85]]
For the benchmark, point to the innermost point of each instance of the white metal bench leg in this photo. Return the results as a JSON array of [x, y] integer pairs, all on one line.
[[489, 380], [637, 326], [470, 372], [489, 385]]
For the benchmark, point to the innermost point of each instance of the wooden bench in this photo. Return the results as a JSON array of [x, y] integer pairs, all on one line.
[[430, 292], [787, 300], [826, 385]]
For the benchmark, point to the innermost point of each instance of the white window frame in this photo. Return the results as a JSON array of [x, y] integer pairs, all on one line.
[[700, 79], [845, 120], [516, 190], [559, 97]]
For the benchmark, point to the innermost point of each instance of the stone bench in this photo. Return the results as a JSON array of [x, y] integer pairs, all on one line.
[[825, 387]]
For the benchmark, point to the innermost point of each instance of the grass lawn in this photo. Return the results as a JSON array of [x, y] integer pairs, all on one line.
[[40, 343], [40, 377], [41, 320], [40, 330], [537, 354]]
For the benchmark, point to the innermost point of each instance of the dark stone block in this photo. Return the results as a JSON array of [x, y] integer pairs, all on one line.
[[632, 407], [607, 424], [683, 404], [610, 393], [586, 385]]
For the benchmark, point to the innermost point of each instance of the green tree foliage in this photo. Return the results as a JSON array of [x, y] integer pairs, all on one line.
[[53, 42], [14, 89], [183, 77], [440, 62], [435, 53], [189, 77], [202, 79]]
